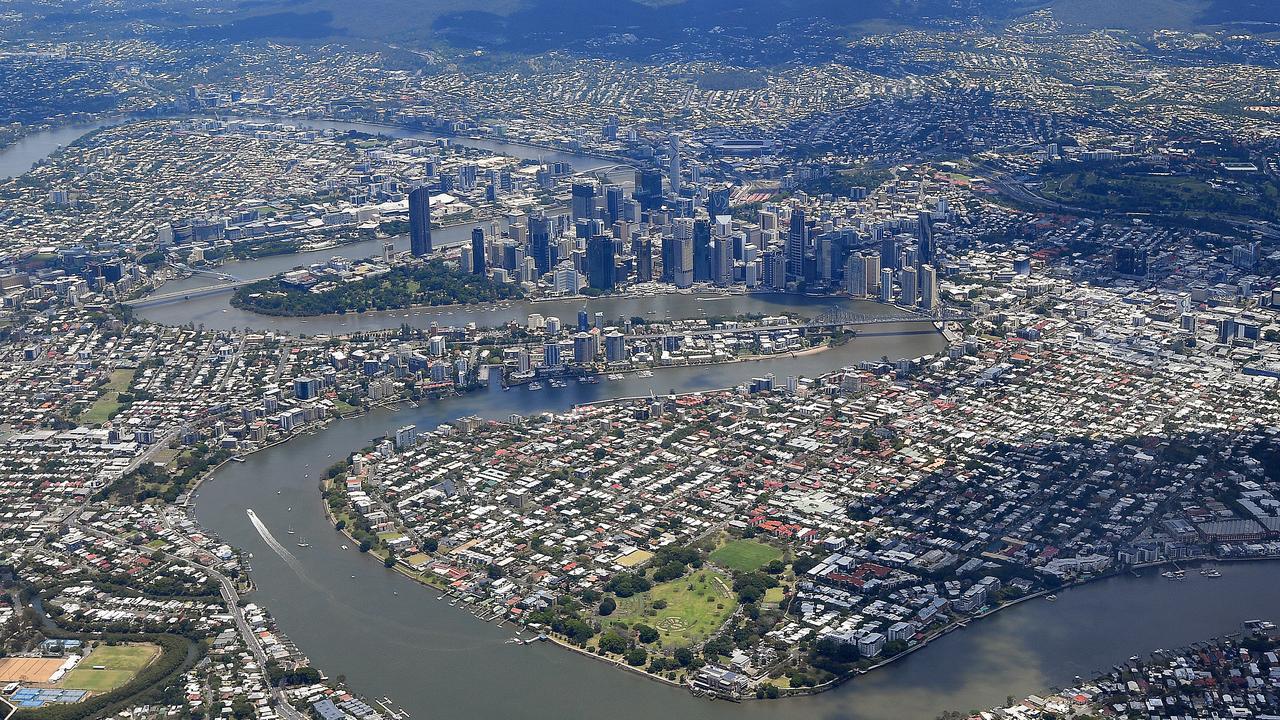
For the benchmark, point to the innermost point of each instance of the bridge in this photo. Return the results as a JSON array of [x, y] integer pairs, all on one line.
[[161, 298], [605, 170]]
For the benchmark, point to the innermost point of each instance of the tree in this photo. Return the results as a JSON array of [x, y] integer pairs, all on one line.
[[636, 657], [431, 545], [669, 571], [608, 605], [627, 584], [612, 642], [684, 656], [646, 633]]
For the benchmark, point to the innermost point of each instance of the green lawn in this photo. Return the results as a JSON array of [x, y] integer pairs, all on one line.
[[745, 555], [697, 604], [108, 403], [1097, 190], [122, 662]]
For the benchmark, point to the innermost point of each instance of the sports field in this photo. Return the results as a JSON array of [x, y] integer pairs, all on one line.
[[745, 555], [28, 670], [120, 663]]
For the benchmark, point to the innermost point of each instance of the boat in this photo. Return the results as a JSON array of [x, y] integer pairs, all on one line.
[[344, 547], [615, 376], [1213, 573], [290, 530], [237, 458], [645, 374], [304, 545], [535, 386], [1051, 598]]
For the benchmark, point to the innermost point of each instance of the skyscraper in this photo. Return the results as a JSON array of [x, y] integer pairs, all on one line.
[[702, 259], [584, 201], [886, 285], [718, 201], [855, 275], [890, 249], [774, 269], [722, 262], [648, 190], [795, 243], [478, 256], [420, 221], [910, 287], [601, 272], [673, 170], [540, 243], [613, 200], [928, 287], [925, 229], [682, 259], [642, 248]]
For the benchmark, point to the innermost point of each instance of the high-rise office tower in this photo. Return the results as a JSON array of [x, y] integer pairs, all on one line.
[[648, 190], [718, 201], [601, 266], [668, 259], [722, 262], [824, 253], [420, 221], [583, 204], [775, 269], [702, 260], [890, 250], [925, 230], [613, 199], [673, 170], [478, 256], [642, 248], [795, 243], [682, 258], [540, 243]]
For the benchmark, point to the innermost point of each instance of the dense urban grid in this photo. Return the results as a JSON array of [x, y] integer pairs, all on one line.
[[1084, 221]]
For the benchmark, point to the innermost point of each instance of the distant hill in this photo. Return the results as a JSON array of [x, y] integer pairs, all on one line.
[[532, 26]]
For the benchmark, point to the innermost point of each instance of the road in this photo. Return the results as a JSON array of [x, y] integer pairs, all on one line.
[[231, 597]]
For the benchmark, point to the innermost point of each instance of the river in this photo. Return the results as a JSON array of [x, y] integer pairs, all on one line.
[[18, 158], [392, 637]]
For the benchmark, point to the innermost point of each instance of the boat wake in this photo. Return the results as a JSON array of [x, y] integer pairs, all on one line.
[[272, 543]]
